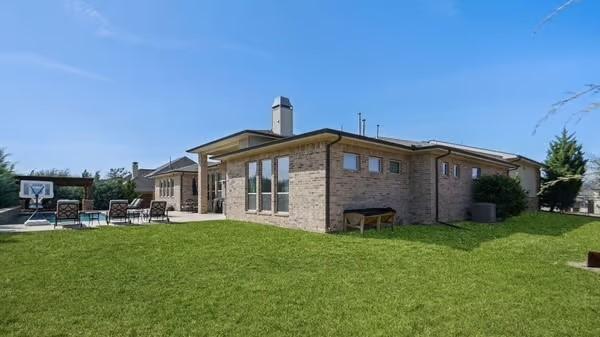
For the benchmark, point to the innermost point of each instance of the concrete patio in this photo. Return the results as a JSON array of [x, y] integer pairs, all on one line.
[[174, 217]]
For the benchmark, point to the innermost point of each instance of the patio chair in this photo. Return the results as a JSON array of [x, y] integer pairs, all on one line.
[[117, 209], [67, 210], [190, 205], [135, 203], [157, 210]]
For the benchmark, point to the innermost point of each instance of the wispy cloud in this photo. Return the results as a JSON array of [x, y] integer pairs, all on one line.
[[104, 28], [33, 59]]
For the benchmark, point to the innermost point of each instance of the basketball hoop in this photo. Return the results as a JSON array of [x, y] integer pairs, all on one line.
[[36, 191]]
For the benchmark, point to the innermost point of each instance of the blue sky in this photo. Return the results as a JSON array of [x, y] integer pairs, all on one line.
[[97, 84]]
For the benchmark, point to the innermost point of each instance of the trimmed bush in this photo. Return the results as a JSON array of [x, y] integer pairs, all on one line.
[[504, 191]]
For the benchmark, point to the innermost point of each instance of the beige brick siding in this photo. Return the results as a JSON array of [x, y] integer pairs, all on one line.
[[182, 189], [421, 207], [455, 194], [364, 189], [307, 189]]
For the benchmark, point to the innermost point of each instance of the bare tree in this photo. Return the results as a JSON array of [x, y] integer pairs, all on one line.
[[589, 90]]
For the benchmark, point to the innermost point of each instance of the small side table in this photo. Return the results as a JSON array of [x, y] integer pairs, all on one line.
[[91, 216]]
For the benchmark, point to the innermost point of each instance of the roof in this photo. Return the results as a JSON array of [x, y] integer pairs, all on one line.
[[143, 183], [501, 154], [171, 166], [396, 143], [265, 133]]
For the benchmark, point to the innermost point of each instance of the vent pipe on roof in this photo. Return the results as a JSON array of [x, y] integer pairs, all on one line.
[[377, 131], [283, 116], [364, 127], [360, 123]]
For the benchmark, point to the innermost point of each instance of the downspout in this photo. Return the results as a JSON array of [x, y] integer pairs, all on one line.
[[327, 180], [437, 190]]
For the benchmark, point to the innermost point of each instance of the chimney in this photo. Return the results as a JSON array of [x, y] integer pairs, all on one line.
[[134, 169], [283, 116]]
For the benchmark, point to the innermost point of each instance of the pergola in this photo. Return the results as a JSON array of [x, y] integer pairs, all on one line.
[[86, 183]]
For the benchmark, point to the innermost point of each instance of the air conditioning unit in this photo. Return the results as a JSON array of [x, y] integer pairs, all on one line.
[[484, 212]]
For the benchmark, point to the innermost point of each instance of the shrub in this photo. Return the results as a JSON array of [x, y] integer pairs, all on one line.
[[9, 191], [504, 191]]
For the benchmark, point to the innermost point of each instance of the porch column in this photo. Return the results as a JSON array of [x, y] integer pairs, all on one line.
[[202, 183]]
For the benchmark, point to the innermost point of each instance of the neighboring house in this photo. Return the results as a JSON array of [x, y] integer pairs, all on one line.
[[143, 186], [588, 201], [175, 182], [307, 180]]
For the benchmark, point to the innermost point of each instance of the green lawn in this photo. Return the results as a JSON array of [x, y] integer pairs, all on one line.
[[238, 279]]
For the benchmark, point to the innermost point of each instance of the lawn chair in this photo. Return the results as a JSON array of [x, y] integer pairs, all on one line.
[[135, 203], [117, 209], [67, 210], [157, 210], [190, 205]]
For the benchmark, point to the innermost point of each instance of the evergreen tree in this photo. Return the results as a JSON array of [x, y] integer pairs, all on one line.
[[9, 195], [565, 167]]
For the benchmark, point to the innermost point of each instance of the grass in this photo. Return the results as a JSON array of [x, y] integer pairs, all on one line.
[[237, 279]]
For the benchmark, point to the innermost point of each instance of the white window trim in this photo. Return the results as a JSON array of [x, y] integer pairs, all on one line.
[[255, 194], [259, 188], [445, 169], [276, 182], [456, 171], [357, 169], [380, 166]]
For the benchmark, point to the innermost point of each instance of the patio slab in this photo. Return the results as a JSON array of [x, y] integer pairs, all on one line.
[[174, 217]]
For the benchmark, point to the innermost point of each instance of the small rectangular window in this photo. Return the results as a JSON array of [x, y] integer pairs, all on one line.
[[265, 184], [351, 162], [374, 165], [476, 172], [283, 184], [456, 171], [394, 166], [445, 169], [251, 187]]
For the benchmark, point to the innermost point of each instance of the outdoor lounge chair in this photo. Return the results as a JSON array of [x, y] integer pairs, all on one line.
[[157, 210], [67, 210], [135, 203], [117, 209], [358, 218], [190, 205]]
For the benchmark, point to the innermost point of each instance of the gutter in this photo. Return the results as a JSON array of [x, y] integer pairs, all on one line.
[[437, 190], [328, 179]]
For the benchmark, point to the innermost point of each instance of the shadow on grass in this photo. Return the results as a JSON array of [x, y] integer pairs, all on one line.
[[475, 234]]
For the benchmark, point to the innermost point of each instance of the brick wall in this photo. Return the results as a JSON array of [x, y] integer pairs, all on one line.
[[307, 189], [364, 189], [455, 193], [421, 207]]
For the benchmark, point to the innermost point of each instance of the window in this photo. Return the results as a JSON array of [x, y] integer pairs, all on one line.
[[445, 169], [394, 166], [160, 188], [283, 184], [456, 171], [351, 162], [194, 187], [476, 172], [266, 184], [172, 187], [251, 187], [374, 165]]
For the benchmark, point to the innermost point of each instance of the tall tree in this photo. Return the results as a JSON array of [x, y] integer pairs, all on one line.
[[565, 167], [86, 174], [8, 187]]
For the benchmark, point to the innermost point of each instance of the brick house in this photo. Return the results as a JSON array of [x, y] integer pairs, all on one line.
[[175, 182], [307, 180]]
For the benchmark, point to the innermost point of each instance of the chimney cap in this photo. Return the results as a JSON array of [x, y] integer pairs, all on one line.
[[282, 101]]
